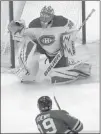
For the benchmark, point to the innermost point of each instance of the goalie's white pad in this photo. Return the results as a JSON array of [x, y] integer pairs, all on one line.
[[27, 60], [67, 40], [71, 73]]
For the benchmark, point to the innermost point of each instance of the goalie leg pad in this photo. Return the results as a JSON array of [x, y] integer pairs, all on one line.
[[71, 73], [33, 65], [28, 61], [29, 75], [60, 77], [23, 74]]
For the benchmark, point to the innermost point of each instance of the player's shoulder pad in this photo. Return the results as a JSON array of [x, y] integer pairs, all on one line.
[[37, 117], [59, 21], [35, 23]]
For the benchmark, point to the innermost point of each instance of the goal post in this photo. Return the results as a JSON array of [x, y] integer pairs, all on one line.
[[15, 13], [84, 27], [11, 17]]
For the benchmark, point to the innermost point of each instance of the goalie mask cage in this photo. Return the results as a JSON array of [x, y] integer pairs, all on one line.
[[28, 10]]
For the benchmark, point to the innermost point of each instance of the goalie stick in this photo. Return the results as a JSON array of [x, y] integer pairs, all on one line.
[[60, 53]]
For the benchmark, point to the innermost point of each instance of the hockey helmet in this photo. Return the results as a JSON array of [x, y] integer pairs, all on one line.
[[44, 103], [46, 15]]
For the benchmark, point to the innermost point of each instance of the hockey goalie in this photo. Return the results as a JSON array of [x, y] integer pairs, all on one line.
[[53, 36]]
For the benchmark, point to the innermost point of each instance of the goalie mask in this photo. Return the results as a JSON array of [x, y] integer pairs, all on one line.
[[46, 16], [44, 103]]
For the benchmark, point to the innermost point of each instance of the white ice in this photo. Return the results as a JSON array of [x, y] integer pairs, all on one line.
[[19, 104]]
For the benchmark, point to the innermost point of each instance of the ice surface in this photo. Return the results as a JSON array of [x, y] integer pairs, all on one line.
[[19, 104]]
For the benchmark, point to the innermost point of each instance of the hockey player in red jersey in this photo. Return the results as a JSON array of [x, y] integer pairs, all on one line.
[[55, 37], [55, 121]]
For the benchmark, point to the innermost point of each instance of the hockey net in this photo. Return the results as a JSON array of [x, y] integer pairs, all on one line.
[[68, 9]]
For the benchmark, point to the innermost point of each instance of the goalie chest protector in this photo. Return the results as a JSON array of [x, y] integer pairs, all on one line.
[[49, 38]]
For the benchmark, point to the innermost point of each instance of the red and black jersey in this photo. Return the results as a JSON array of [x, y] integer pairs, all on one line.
[[57, 121]]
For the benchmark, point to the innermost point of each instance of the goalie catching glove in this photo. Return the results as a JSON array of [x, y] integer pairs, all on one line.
[[16, 26]]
